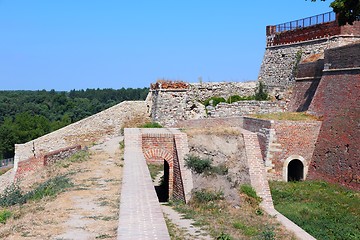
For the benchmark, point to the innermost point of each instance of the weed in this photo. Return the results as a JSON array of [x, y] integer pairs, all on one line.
[[4, 215], [213, 101], [247, 230], [51, 187], [197, 164], [237, 98], [151, 125], [103, 236], [250, 192], [268, 233], [122, 144], [11, 195], [221, 169], [205, 196], [224, 236]]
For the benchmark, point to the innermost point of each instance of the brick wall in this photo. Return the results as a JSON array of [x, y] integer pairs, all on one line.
[[36, 163], [306, 83], [279, 140], [157, 146], [305, 34], [337, 152]]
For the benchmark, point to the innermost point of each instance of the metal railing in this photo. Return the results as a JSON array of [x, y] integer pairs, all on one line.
[[306, 22], [6, 162]]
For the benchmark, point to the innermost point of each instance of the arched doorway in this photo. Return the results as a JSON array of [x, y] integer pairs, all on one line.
[[295, 171], [162, 189]]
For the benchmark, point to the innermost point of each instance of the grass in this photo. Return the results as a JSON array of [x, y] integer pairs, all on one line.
[[151, 125], [289, 116], [324, 210], [4, 216], [222, 221]]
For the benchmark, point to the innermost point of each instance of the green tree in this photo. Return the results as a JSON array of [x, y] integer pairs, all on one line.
[[348, 11]]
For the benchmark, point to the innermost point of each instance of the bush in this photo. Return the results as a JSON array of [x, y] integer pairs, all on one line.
[[205, 196], [261, 93], [151, 125], [221, 169], [197, 164], [237, 98], [213, 101], [251, 193], [4, 215], [224, 236], [49, 188], [12, 195]]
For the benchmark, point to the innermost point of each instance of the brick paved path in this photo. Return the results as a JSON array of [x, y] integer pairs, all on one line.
[[141, 216]]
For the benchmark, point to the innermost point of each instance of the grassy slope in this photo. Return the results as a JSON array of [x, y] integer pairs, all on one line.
[[324, 210]]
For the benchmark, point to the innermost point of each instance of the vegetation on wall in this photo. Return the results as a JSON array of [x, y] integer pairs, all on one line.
[[260, 95], [26, 115]]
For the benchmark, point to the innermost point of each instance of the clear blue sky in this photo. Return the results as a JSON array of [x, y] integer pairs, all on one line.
[[79, 44]]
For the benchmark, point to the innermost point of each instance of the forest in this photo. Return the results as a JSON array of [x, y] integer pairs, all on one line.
[[26, 115]]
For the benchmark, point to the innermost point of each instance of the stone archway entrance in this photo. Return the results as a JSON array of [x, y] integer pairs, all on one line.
[[295, 171]]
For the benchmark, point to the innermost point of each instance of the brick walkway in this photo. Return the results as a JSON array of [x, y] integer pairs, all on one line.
[[140, 216]]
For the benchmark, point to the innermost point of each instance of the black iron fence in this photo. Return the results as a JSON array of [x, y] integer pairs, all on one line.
[[6, 163], [306, 22]]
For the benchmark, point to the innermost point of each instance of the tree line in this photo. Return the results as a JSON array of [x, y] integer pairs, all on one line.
[[26, 115]]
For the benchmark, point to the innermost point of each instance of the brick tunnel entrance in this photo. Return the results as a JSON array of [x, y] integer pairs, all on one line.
[[162, 186], [295, 170], [161, 149]]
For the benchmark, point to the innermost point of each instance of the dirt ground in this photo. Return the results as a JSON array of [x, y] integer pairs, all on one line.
[[223, 146], [89, 210]]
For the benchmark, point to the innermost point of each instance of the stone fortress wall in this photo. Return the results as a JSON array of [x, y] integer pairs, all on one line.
[[173, 102]]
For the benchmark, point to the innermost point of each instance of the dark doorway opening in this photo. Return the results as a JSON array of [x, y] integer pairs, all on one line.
[[295, 170], [162, 189]]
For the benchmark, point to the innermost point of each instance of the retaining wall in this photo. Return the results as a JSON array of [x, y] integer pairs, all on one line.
[[337, 151]]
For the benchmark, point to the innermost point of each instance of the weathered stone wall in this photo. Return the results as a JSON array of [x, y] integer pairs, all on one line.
[[209, 123], [279, 65], [172, 105], [242, 108], [60, 154], [84, 132], [337, 152]]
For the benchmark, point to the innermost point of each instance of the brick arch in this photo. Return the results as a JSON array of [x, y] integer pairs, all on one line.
[[157, 155], [154, 154]]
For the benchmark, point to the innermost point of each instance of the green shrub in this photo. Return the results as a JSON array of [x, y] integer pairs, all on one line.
[[4, 215], [197, 164], [224, 236], [261, 93], [237, 98], [205, 196], [51, 187], [268, 233], [11, 195], [151, 125], [250, 192], [221, 169], [214, 101]]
